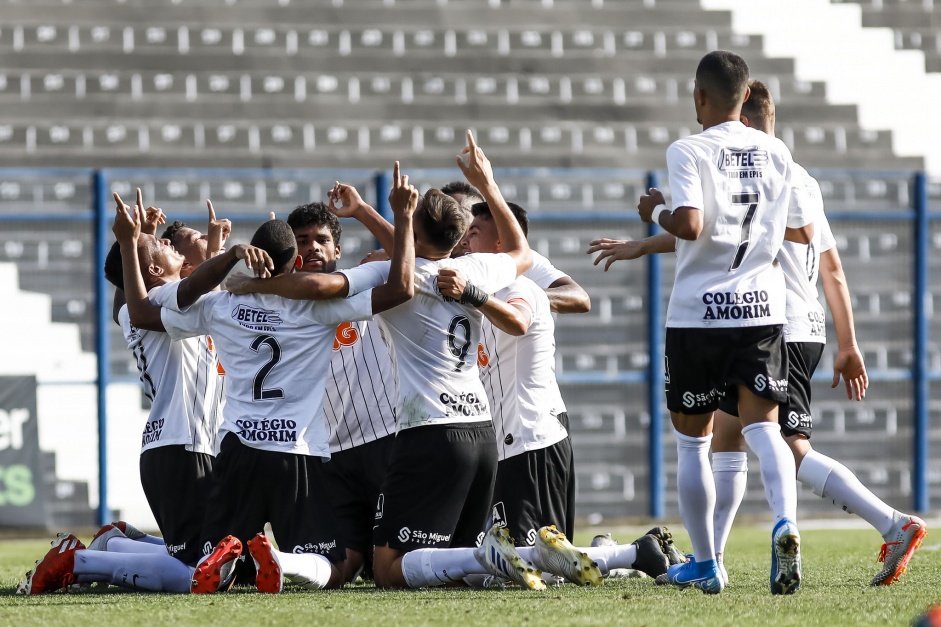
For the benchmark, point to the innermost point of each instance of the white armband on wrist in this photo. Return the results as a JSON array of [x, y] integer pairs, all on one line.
[[655, 216]]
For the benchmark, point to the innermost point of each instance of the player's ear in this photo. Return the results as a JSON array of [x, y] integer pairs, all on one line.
[[337, 250], [154, 270], [298, 262]]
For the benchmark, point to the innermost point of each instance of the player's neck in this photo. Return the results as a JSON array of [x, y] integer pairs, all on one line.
[[711, 117]]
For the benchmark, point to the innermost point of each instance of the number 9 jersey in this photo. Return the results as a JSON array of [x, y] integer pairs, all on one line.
[[434, 339], [744, 181]]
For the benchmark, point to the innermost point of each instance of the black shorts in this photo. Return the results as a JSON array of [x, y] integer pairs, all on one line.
[[794, 416], [570, 488], [438, 491], [177, 484], [353, 479], [253, 486], [532, 490], [701, 363]]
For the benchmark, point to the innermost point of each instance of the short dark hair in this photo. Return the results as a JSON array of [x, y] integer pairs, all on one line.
[[443, 220], [724, 76], [316, 214], [461, 187], [759, 108], [114, 267], [483, 209], [276, 238], [171, 231]]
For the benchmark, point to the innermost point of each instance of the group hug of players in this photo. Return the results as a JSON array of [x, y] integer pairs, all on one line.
[[402, 417]]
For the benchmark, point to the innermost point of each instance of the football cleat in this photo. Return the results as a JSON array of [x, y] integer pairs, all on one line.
[[720, 563], [100, 540], [216, 571], [906, 535], [499, 557], [54, 571], [665, 539], [130, 531], [268, 575], [559, 557], [785, 558], [650, 558], [703, 576]]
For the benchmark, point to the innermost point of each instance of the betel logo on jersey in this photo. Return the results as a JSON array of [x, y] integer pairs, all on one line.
[[742, 163], [255, 318]]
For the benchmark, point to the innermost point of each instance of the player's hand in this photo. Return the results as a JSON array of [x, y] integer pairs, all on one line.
[[451, 283], [127, 226], [344, 201], [376, 255], [218, 231], [256, 260], [648, 202], [403, 198], [474, 164], [153, 217], [615, 250], [239, 283], [849, 364]]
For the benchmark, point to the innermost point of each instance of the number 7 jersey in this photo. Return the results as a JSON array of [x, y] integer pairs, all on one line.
[[744, 183]]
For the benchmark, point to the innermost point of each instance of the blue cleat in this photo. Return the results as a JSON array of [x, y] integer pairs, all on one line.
[[703, 576], [785, 557]]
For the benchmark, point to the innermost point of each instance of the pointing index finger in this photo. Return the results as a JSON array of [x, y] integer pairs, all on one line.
[[212, 212], [470, 140], [395, 174]]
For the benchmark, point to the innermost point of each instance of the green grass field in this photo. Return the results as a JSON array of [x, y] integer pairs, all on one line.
[[838, 565]]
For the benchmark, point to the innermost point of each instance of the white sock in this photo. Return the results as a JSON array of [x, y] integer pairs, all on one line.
[[697, 493], [832, 480], [777, 467], [730, 471], [118, 544], [143, 571], [310, 570], [611, 557], [436, 567], [149, 539]]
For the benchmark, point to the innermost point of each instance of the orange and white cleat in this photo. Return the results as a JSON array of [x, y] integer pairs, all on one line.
[[907, 534], [54, 571], [268, 575], [216, 571]]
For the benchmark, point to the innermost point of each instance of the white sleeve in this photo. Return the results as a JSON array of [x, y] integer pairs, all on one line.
[[827, 240], [337, 310], [192, 322], [367, 276], [685, 180], [131, 335], [542, 272], [165, 295], [806, 202], [488, 271], [521, 293]]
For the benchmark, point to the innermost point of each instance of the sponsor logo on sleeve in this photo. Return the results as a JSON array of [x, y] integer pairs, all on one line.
[[256, 318]]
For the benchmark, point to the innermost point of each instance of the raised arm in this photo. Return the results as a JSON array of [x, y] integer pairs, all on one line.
[[849, 361], [217, 233], [566, 296], [352, 205], [685, 222], [127, 229], [479, 173], [400, 285]]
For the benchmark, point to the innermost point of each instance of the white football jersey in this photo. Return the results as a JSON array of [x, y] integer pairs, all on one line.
[[806, 321], [542, 272], [360, 401], [743, 181], [276, 354], [181, 379], [518, 374], [433, 340]]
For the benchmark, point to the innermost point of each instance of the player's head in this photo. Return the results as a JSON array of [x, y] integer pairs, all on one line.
[[721, 85], [276, 238], [317, 232], [758, 110], [467, 196], [439, 223], [193, 245], [160, 262], [114, 268], [482, 236]]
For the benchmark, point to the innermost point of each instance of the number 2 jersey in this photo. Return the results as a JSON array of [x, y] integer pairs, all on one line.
[[434, 339], [276, 353], [744, 182]]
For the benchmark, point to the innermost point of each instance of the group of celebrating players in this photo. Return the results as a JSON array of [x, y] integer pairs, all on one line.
[[398, 419]]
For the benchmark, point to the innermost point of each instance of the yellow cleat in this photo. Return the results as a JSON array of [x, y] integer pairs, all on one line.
[[561, 558]]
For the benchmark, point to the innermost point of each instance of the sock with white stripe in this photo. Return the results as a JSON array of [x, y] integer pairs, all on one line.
[[309, 570], [832, 480], [777, 467], [141, 571], [435, 567], [730, 471], [697, 493]]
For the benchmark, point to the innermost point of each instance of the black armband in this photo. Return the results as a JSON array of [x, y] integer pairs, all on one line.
[[474, 296]]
